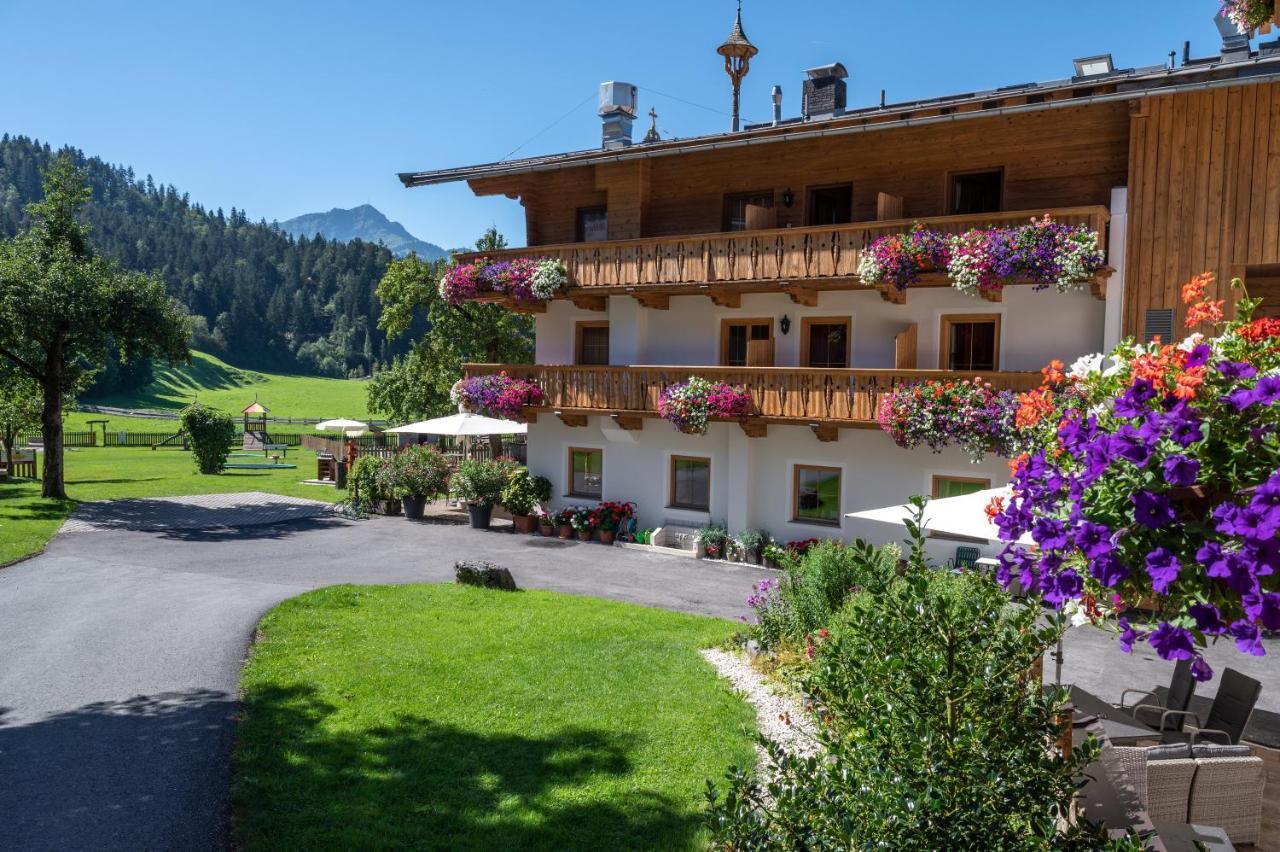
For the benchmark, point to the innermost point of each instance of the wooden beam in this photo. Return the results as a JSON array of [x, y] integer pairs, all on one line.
[[806, 296], [1099, 288], [656, 301], [589, 301], [892, 294], [996, 295], [576, 420], [522, 307], [726, 298], [754, 427], [826, 433], [629, 422]]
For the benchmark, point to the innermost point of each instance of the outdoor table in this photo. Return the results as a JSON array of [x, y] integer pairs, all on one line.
[[1121, 727], [1178, 836]]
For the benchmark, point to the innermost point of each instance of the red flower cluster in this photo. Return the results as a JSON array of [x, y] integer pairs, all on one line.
[[608, 516], [801, 547], [1260, 329]]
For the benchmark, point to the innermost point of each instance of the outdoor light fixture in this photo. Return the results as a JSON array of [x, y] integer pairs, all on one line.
[[1093, 66], [784, 324], [788, 198]]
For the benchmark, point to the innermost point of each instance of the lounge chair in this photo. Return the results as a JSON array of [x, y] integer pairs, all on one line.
[[1176, 697], [1228, 716]]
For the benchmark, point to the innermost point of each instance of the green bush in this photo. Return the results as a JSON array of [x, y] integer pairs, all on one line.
[[211, 432], [480, 482], [418, 471], [524, 493], [932, 734], [365, 480]]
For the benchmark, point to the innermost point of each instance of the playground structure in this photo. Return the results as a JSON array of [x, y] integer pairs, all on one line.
[[258, 439]]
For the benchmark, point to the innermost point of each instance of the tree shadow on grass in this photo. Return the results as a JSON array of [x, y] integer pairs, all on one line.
[[304, 782]]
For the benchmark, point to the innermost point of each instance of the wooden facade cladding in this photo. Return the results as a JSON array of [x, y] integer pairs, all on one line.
[[798, 396], [1204, 193], [822, 256]]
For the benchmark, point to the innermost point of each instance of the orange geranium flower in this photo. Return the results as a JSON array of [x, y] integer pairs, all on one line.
[[1016, 462], [1209, 311], [1187, 382], [994, 508], [1193, 290], [1053, 374], [1034, 406]]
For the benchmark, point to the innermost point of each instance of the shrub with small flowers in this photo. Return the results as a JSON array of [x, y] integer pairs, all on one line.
[[496, 395], [582, 518], [523, 279], [1248, 15], [969, 414], [691, 403], [1158, 478]]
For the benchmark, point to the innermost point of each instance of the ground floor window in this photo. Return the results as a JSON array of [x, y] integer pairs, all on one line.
[[816, 494], [586, 472], [958, 486], [690, 483]]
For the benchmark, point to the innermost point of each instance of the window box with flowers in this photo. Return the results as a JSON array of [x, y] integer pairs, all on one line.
[[937, 414], [691, 404], [497, 395], [522, 279]]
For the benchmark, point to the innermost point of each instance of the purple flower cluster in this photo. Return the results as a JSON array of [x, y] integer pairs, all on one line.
[[497, 395], [969, 414]]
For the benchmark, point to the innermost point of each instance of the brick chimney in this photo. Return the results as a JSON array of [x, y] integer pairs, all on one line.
[[824, 91]]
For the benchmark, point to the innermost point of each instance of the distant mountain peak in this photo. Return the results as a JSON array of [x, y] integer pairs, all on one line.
[[364, 222]]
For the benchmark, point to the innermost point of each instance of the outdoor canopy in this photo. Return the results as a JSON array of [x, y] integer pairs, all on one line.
[[463, 424], [961, 516], [340, 425]]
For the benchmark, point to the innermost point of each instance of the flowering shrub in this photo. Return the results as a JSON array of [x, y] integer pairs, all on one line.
[[480, 482], [582, 518], [689, 404], [969, 414], [608, 516], [899, 259], [1158, 478], [1248, 15], [982, 260], [496, 395], [419, 471], [523, 279]]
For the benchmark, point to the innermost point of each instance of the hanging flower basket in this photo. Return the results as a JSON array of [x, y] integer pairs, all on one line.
[[523, 279], [497, 395], [690, 404], [968, 414], [1250, 15]]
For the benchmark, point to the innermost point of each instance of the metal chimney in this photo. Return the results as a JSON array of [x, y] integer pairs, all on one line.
[[777, 104], [1235, 45], [617, 110]]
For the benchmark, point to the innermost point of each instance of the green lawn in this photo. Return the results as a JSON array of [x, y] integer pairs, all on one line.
[[417, 717], [102, 473], [217, 383]]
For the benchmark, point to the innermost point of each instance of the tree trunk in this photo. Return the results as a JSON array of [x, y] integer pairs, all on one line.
[[495, 445], [8, 439], [53, 485]]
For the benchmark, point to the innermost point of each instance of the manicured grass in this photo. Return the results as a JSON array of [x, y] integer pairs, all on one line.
[[103, 473], [217, 383], [447, 717]]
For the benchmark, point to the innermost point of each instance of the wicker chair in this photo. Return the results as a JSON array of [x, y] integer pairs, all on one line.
[[1227, 793], [1164, 786]]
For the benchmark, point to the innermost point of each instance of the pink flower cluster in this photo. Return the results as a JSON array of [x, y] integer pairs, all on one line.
[[689, 404], [497, 395], [514, 278]]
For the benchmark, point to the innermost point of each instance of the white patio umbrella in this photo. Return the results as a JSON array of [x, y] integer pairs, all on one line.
[[340, 425], [962, 516], [462, 425]]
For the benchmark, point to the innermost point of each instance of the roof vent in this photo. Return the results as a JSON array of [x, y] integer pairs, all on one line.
[[824, 91], [617, 109], [1158, 322], [1235, 45]]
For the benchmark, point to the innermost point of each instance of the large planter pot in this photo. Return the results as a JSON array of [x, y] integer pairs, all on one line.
[[608, 536], [585, 535], [566, 531], [546, 530], [415, 507], [387, 507], [480, 514], [524, 523]]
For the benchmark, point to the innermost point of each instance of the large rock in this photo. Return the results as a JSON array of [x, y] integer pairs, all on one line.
[[484, 574]]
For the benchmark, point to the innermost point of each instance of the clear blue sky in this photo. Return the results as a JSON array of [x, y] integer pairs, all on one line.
[[282, 108]]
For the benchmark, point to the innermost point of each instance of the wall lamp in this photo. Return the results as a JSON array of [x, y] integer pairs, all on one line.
[[784, 324], [788, 198]]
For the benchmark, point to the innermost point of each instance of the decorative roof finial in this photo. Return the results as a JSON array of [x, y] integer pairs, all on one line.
[[652, 135], [737, 51]]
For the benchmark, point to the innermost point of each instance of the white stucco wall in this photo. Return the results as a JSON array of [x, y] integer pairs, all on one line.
[[1035, 326]]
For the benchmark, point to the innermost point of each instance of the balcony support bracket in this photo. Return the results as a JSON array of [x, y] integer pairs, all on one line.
[[826, 433], [574, 420], [726, 298], [754, 427], [806, 296], [629, 422], [589, 301], [526, 307], [529, 415], [892, 294], [655, 301], [996, 295]]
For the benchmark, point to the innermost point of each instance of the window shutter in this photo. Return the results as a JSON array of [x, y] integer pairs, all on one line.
[[1158, 322]]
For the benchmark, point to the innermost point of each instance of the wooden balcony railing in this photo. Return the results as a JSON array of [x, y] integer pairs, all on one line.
[[759, 260], [832, 398]]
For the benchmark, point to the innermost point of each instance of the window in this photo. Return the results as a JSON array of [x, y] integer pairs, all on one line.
[[736, 333], [970, 342], [824, 342], [958, 486], [592, 342], [586, 472], [738, 218], [690, 483], [976, 192], [593, 224], [816, 494], [831, 205], [1263, 281]]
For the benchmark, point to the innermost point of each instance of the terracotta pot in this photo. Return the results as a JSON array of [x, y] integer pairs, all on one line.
[[566, 531], [585, 535], [524, 523], [547, 530], [608, 536]]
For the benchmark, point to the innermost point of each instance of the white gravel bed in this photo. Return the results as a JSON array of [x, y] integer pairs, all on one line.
[[781, 717]]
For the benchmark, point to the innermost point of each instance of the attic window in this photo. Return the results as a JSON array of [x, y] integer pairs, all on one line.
[[1157, 322], [1091, 66]]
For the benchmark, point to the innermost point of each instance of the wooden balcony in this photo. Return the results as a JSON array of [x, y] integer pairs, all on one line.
[[825, 400], [799, 261]]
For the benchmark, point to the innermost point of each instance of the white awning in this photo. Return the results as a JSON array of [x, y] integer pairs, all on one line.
[[463, 424], [961, 516]]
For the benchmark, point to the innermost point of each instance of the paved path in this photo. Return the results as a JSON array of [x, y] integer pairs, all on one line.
[[121, 646]]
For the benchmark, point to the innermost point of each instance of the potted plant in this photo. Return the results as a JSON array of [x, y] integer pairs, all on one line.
[[583, 522], [752, 543], [608, 517], [546, 524], [363, 484], [772, 554], [523, 495], [479, 484], [565, 519], [713, 540], [418, 472], [385, 501]]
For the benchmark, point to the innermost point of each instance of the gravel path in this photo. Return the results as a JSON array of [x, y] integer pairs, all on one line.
[[781, 717]]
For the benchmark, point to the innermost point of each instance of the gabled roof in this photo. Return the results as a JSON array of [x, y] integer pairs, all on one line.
[[256, 408], [1127, 84]]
